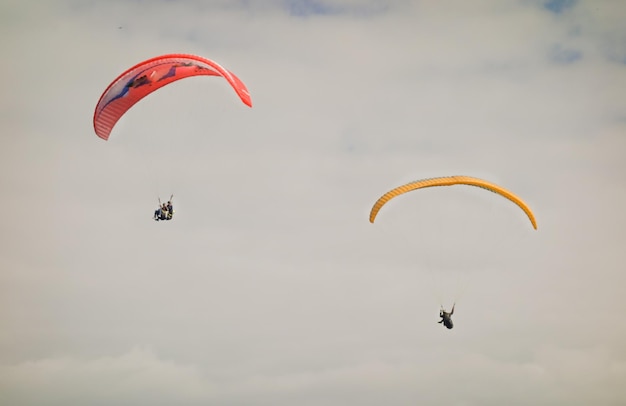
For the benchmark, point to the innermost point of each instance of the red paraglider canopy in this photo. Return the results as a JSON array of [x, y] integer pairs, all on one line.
[[150, 75]]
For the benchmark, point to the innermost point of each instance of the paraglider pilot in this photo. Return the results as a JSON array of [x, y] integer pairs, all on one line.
[[161, 213], [446, 318], [170, 210]]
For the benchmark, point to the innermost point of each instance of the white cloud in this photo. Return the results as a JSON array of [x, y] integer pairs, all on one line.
[[137, 377], [551, 376]]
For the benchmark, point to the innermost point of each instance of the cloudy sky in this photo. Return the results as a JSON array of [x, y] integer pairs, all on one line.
[[270, 286]]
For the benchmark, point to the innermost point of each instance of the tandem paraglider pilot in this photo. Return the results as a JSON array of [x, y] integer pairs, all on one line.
[[165, 211]]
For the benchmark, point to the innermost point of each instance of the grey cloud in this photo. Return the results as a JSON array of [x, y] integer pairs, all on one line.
[[565, 55]]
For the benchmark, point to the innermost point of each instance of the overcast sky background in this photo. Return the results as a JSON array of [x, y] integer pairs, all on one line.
[[270, 286]]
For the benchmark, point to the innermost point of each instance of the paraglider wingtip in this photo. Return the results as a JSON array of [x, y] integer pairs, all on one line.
[[102, 135]]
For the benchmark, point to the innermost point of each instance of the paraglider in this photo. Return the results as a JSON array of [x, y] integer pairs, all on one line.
[[446, 318], [449, 181], [148, 76]]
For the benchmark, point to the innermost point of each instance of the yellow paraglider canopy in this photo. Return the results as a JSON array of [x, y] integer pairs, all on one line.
[[450, 181]]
